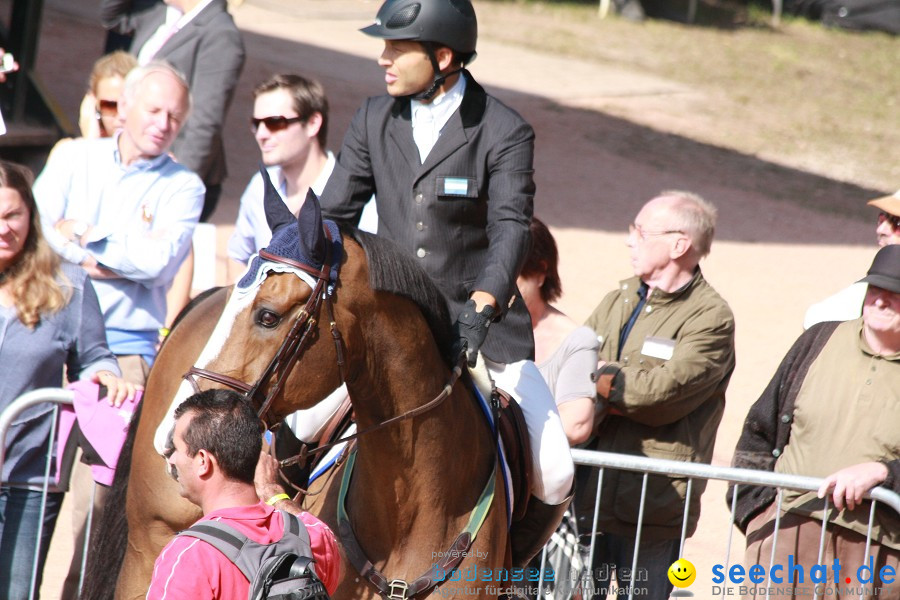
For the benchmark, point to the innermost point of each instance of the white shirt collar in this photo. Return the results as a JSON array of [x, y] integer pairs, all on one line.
[[428, 119]]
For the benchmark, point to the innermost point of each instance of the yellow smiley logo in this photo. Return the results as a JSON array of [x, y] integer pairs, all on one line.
[[682, 573]]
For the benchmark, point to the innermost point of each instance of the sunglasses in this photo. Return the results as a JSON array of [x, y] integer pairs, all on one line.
[[274, 124], [107, 107], [892, 219]]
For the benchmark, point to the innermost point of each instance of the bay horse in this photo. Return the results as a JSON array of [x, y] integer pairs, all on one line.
[[425, 498]]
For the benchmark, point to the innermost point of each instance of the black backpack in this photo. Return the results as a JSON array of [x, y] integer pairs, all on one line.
[[282, 570]]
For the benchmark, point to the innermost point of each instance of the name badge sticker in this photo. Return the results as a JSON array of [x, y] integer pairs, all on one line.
[[658, 347], [456, 186]]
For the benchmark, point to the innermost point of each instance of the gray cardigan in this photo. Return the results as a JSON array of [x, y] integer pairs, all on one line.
[[75, 338]]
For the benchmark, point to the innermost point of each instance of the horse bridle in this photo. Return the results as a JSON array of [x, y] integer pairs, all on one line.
[[298, 339]]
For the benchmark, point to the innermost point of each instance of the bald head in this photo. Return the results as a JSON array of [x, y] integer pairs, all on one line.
[[691, 214]]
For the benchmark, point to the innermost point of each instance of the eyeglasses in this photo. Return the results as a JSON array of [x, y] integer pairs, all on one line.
[[107, 107], [274, 124], [892, 219], [643, 235]]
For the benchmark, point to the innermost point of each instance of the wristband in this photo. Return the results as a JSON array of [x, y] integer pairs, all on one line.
[[271, 501], [164, 332]]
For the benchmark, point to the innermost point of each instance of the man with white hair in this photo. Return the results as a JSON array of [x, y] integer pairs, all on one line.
[[666, 357], [123, 209]]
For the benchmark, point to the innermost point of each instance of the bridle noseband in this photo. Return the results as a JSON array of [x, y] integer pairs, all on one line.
[[298, 339]]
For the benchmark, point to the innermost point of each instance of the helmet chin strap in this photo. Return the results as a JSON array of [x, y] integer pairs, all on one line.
[[439, 78]]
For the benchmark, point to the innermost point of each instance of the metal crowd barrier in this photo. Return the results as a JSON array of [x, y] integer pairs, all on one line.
[[57, 396], [648, 466]]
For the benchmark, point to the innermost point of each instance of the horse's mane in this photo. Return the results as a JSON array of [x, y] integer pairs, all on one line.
[[390, 270]]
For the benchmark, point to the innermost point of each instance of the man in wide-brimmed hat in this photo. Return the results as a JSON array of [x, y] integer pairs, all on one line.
[[847, 304]]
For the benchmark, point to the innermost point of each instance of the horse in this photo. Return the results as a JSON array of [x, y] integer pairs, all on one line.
[[421, 500]]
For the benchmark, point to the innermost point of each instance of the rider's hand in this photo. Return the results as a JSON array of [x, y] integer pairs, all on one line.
[[471, 329]]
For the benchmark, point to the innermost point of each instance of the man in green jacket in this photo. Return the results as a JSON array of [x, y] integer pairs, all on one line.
[[666, 356]]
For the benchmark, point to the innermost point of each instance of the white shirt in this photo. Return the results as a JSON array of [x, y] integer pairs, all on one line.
[[429, 119], [251, 230]]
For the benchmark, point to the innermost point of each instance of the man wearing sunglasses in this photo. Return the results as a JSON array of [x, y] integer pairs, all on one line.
[[847, 303], [290, 124], [451, 168]]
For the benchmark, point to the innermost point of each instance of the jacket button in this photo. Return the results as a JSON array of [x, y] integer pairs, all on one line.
[[785, 418], [421, 253], [419, 198], [420, 225], [776, 452]]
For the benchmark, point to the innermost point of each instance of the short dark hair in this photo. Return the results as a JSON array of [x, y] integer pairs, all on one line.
[[226, 426], [308, 95], [543, 259]]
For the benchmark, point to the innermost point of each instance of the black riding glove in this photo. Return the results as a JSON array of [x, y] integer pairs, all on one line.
[[471, 329]]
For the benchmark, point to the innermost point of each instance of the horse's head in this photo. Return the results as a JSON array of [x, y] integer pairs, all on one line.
[[275, 317]]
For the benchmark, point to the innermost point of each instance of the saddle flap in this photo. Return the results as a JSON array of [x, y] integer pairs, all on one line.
[[516, 445]]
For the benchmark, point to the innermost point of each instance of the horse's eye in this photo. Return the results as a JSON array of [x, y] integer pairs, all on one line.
[[268, 319]]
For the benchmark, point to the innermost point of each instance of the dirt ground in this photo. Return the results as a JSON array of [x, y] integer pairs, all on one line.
[[785, 238]]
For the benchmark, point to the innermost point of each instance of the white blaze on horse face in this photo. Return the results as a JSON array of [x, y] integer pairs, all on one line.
[[240, 300]]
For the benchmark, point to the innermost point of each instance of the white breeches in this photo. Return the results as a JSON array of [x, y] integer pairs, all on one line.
[[553, 468], [308, 424]]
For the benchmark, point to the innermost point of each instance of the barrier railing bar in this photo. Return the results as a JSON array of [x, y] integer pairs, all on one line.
[[684, 520], [637, 536], [600, 475], [731, 474], [730, 534], [862, 593], [27, 400], [779, 500]]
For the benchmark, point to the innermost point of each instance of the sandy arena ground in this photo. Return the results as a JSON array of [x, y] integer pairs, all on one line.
[[775, 252]]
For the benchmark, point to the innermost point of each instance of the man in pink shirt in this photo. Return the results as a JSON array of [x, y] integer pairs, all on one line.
[[217, 454]]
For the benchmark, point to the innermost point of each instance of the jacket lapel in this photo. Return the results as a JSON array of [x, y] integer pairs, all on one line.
[[400, 132], [187, 33]]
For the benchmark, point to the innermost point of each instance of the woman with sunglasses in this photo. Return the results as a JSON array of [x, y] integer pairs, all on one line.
[[847, 303], [99, 115]]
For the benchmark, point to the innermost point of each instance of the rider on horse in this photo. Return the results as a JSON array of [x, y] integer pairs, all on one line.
[[451, 170]]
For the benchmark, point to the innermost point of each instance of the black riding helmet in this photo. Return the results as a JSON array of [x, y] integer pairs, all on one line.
[[449, 23]]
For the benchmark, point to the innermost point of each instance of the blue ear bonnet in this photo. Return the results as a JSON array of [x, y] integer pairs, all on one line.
[[301, 239]]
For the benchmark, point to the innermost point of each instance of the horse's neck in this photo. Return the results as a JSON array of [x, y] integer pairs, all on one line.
[[425, 473]]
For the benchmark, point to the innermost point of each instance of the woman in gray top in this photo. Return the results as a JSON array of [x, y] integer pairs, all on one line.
[[49, 319], [565, 353]]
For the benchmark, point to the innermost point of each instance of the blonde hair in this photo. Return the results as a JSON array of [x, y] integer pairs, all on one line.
[[118, 63], [34, 278]]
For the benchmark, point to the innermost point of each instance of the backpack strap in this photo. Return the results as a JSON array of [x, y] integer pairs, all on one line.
[[231, 542], [226, 539]]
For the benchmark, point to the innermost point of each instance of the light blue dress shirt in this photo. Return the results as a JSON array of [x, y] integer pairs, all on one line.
[[143, 215]]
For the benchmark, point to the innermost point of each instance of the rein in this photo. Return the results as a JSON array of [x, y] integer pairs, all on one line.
[[431, 404]]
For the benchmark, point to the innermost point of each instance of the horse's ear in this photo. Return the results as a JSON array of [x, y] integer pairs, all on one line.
[[277, 213], [309, 224]]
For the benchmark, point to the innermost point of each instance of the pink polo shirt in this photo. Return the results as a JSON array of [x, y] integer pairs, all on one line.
[[190, 569]]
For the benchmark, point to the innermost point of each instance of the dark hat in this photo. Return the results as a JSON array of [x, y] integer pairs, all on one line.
[[885, 269]]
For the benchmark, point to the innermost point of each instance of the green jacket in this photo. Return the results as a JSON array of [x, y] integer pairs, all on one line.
[[666, 401]]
